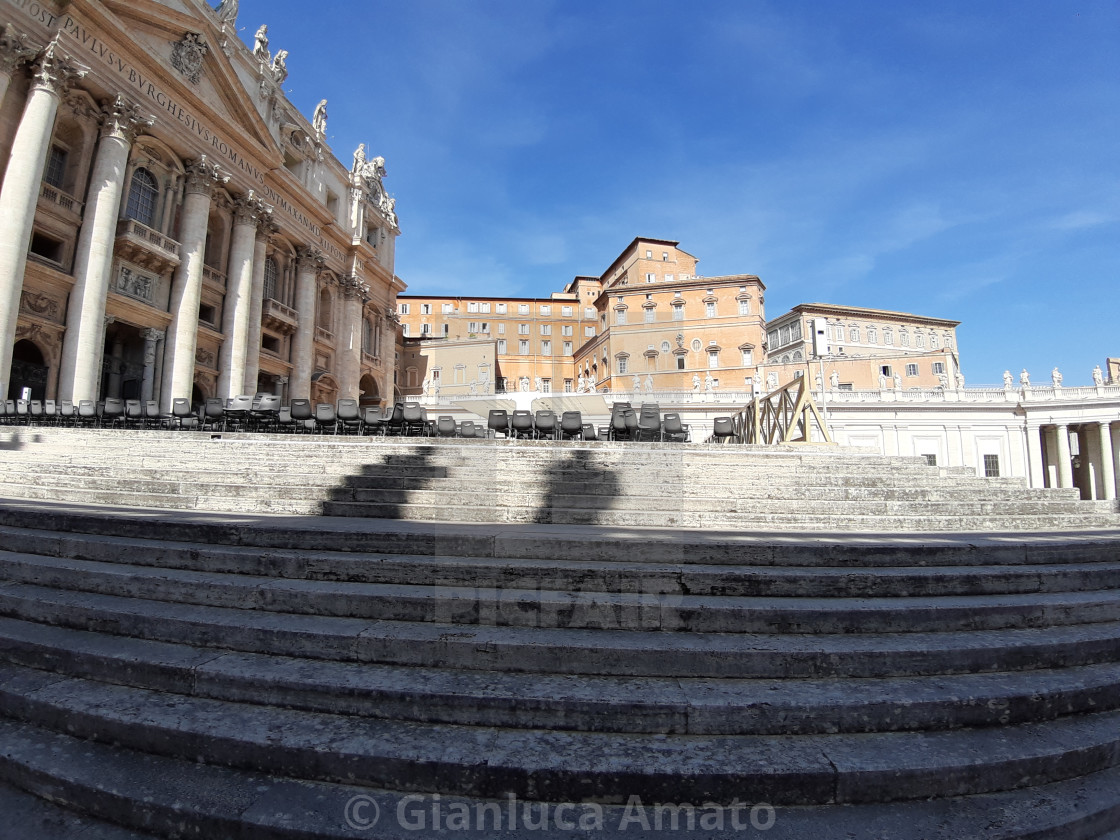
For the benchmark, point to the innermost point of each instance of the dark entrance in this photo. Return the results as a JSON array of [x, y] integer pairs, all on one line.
[[29, 370]]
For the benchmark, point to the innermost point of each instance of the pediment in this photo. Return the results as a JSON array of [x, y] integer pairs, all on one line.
[[184, 39]]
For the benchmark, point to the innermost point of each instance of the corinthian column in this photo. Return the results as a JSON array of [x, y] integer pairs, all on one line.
[[303, 342], [256, 303], [15, 49], [348, 350], [93, 261], [54, 72], [186, 286], [238, 303]]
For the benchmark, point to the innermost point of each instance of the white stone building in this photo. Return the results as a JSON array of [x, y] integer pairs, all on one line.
[[170, 225]]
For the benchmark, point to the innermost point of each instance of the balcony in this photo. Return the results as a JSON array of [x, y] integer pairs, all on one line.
[[65, 206], [278, 317], [371, 360], [214, 277], [139, 244], [323, 335]]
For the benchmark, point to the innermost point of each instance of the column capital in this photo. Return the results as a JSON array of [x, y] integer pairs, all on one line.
[[281, 380], [310, 259], [266, 227], [152, 334], [121, 117], [203, 176], [54, 70], [352, 288], [15, 49], [248, 209]]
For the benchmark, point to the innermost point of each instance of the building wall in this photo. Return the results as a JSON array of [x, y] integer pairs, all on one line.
[[191, 235]]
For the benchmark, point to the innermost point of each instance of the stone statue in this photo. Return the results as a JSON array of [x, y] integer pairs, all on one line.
[[538, 385], [260, 44], [897, 382], [943, 381], [695, 382], [1098, 376], [390, 208], [227, 11], [820, 382], [1056, 378], [319, 118], [280, 66], [883, 382], [772, 381], [1025, 379], [649, 383], [435, 389], [960, 380], [637, 383], [709, 383], [1008, 380], [424, 387], [359, 159], [834, 380]]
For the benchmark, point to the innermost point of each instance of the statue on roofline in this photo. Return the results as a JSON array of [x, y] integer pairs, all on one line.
[[1025, 378], [260, 44], [227, 11], [1008, 380], [319, 118], [280, 66], [1098, 376]]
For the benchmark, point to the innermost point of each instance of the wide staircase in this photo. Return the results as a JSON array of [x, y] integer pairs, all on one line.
[[188, 650]]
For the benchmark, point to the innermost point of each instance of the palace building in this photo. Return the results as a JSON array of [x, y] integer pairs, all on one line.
[[171, 225]]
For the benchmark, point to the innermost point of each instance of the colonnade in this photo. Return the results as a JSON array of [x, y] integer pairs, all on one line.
[[1097, 460]]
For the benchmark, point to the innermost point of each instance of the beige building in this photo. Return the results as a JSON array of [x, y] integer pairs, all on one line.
[[853, 348], [170, 225]]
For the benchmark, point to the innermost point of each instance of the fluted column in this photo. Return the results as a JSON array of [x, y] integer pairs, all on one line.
[[256, 304], [303, 342], [1108, 465], [1065, 466], [238, 303], [1034, 456], [148, 383], [93, 260], [15, 50], [186, 287], [53, 74]]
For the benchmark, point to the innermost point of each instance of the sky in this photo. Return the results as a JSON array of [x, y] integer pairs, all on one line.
[[953, 159]]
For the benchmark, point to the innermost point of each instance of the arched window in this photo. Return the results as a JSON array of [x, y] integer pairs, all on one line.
[[142, 195], [271, 275]]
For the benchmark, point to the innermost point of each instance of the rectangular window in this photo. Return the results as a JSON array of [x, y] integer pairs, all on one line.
[[622, 364], [546, 310], [911, 370], [991, 466], [522, 309], [546, 348], [567, 386], [651, 278], [56, 167], [713, 358], [404, 330], [668, 278], [425, 309], [546, 329], [665, 256], [931, 460], [501, 345], [567, 348], [649, 315], [523, 347], [680, 362], [649, 255], [620, 316], [501, 309], [678, 313], [588, 332], [905, 339], [546, 386], [748, 357], [566, 311], [522, 329], [404, 308], [589, 312], [938, 367], [501, 329], [446, 329], [710, 309], [473, 327], [425, 329], [886, 371], [445, 308], [566, 329], [472, 306], [484, 308], [744, 307]]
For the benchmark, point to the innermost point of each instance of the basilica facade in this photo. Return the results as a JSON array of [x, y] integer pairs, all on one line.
[[171, 226]]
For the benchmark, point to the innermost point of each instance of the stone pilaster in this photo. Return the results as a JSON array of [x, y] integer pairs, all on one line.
[[93, 259], [348, 347], [186, 286], [147, 384], [238, 303], [53, 74], [303, 342], [265, 229]]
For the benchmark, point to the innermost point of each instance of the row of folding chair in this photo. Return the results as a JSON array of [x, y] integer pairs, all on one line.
[[543, 425], [646, 424]]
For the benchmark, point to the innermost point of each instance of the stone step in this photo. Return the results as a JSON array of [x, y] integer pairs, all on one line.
[[279, 536], [591, 704], [176, 798], [468, 606], [663, 576], [29, 817], [402, 756], [601, 651]]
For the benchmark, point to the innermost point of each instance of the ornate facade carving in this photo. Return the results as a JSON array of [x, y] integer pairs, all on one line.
[[187, 56], [204, 357], [15, 49], [352, 287], [203, 176], [55, 70], [41, 305], [123, 118], [248, 210]]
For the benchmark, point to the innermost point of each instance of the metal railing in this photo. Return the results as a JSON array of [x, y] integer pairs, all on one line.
[[787, 415]]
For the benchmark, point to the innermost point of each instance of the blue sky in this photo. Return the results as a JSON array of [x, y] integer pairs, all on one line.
[[954, 159]]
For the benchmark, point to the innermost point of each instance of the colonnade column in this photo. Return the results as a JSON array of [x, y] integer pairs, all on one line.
[[256, 304], [1065, 467], [148, 383], [303, 342], [1108, 464], [186, 286], [15, 49], [238, 303], [53, 74], [348, 351], [1034, 457], [78, 377]]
